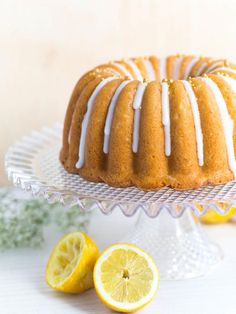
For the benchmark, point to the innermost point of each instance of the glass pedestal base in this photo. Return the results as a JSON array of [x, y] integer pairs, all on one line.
[[180, 247]]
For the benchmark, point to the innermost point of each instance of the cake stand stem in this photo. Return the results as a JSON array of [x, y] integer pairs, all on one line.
[[180, 247]]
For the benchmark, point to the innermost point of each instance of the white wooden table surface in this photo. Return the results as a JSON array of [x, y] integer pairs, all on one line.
[[23, 289]]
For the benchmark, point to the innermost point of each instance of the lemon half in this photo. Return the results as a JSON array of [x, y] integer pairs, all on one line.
[[70, 265], [212, 217], [125, 277]]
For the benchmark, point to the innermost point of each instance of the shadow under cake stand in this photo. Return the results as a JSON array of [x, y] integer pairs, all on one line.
[[167, 226]]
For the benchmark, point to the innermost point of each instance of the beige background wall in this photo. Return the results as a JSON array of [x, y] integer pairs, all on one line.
[[45, 46]]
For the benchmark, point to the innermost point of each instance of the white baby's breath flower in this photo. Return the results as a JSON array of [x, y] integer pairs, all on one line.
[[22, 219]]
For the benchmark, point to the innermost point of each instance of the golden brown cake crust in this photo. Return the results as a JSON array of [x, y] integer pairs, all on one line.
[[175, 136]]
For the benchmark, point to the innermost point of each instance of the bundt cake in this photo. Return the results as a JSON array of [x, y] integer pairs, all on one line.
[[150, 122]]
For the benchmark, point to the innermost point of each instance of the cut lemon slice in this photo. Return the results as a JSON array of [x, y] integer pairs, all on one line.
[[70, 265], [125, 277]]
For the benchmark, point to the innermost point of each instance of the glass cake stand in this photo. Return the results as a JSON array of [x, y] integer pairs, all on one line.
[[180, 246]]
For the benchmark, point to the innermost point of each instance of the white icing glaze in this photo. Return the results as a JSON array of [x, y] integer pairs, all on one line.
[[200, 69], [176, 68], [197, 121], [214, 66], [149, 69], [138, 98], [227, 123], [85, 122], [230, 70], [189, 67], [166, 117], [230, 81], [162, 68], [109, 117], [135, 69], [123, 69]]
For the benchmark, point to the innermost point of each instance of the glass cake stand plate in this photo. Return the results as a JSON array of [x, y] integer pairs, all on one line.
[[180, 246]]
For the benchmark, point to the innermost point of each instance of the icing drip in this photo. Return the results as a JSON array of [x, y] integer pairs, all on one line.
[[197, 121], [138, 98], [122, 68], [166, 117], [135, 69], [227, 123], [109, 117], [230, 81], [189, 67], [162, 68], [176, 68], [85, 122], [230, 70], [201, 68], [214, 66], [149, 69]]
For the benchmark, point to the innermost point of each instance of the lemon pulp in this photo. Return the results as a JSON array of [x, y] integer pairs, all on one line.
[[126, 278], [70, 266]]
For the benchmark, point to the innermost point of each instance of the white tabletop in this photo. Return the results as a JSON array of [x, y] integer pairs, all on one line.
[[23, 288]]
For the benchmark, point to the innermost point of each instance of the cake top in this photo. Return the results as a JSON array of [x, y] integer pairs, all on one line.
[[146, 69]]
